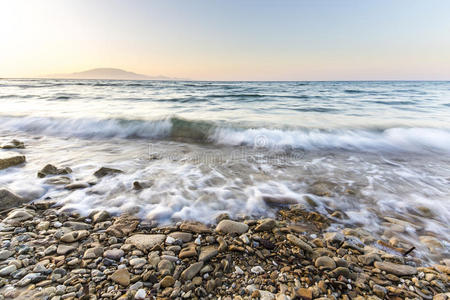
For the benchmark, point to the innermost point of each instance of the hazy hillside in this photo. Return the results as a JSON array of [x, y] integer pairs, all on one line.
[[108, 73]]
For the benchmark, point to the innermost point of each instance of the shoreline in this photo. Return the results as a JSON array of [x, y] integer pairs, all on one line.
[[47, 254]]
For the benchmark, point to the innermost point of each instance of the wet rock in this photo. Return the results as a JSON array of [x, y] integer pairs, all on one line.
[[123, 226], [13, 144], [191, 271], [76, 186], [103, 171], [396, 269], [335, 238], [195, 227], [379, 291], [52, 170], [266, 225], [325, 262], [77, 225], [369, 259], [322, 188], [60, 180], [228, 226], [11, 160], [299, 243], [145, 242], [9, 200], [122, 277], [100, 216]]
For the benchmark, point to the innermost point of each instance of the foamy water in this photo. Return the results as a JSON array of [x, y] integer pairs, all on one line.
[[205, 148]]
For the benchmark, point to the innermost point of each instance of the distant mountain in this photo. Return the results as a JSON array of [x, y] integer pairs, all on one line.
[[109, 73]]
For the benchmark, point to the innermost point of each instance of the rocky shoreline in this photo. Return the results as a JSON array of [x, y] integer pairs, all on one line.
[[49, 254]]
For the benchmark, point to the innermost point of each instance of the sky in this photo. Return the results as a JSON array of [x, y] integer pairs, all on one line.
[[229, 39]]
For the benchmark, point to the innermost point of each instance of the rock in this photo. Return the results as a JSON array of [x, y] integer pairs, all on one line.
[[167, 281], [191, 271], [121, 276], [74, 236], [196, 227], [185, 237], [379, 291], [341, 271], [145, 242], [305, 294], [9, 200], [52, 170], [433, 244], [299, 243], [11, 160], [13, 144], [115, 254], [207, 253], [188, 251], [77, 225], [60, 180], [76, 186], [257, 270], [141, 294], [103, 171], [165, 267], [229, 226], [18, 215], [65, 249], [266, 225], [442, 269], [44, 225], [369, 259], [4, 254], [100, 216], [123, 226], [322, 188], [93, 253], [396, 269], [335, 238], [325, 262], [7, 270], [138, 262]]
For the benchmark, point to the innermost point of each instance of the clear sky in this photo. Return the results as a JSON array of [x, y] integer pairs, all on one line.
[[229, 40]]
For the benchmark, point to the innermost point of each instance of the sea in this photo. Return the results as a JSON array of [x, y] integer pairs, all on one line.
[[376, 152]]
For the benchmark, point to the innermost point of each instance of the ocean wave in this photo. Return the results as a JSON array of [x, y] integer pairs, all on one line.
[[400, 139]]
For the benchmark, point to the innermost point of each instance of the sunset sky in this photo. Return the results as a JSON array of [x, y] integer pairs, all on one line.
[[229, 40]]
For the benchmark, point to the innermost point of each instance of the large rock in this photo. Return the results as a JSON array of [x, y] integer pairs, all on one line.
[[103, 171], [396, 269], [52, 170], [122, 277], [9, 200], [11, 160], [123, 226], [266, 225], [229, 226], [13, 144], [17, 216], [195, 227], [145, 242], [191, 271]]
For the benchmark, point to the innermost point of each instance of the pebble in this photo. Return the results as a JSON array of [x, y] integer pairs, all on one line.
[[230, 227]]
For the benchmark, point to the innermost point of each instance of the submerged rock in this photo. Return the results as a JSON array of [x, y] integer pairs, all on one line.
[[52, 170], [103, 171], [13, 144], [11, 160]]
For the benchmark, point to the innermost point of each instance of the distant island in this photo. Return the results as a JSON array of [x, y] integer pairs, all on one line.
[[109, 73]]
